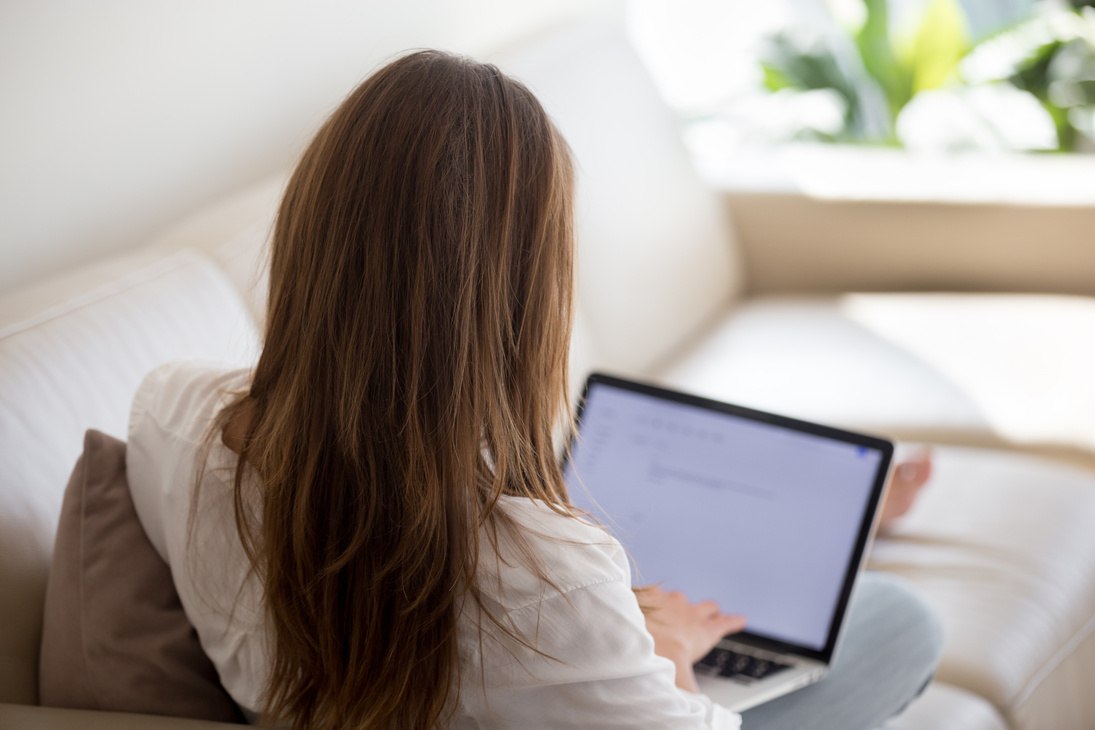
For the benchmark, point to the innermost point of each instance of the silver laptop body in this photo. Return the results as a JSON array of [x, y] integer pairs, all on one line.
[[769, 516]]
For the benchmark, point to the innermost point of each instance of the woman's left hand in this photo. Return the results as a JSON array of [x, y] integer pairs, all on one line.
[[908, 478]]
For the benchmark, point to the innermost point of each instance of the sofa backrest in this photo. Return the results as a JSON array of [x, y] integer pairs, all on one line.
[[72, 353], [657, 254], [657, 257]]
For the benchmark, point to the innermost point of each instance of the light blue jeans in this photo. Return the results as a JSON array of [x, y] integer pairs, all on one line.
[[891, 648]]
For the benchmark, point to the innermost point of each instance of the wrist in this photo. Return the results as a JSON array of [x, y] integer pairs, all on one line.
[[677, 653], [686, 677]]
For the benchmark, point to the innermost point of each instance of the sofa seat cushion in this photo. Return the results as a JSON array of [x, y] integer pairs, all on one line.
[[1002, 546], [1015, 369], [946, 707], [30, 717], [71, 360]]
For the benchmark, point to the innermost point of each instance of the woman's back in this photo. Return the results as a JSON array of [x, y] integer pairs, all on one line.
[[593, 663]]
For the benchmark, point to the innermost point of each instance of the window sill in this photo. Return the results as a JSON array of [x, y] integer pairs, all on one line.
[[853, 173]]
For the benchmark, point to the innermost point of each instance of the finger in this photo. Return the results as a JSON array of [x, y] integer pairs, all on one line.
[[926, 464], [730, 624], [923, 459], [650, 596], [912, 473], [676, 599], [906, 471], [707, 609]]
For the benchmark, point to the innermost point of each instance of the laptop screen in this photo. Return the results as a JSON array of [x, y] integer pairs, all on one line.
[[765, 515]]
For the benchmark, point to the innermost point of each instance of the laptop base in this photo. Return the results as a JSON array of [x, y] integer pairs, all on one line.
[[739, 693]]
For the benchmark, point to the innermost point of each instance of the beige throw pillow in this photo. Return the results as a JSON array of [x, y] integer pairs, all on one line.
[[114, 635]]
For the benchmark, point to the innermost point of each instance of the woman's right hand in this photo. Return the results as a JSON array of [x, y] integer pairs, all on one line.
[[684, 632]]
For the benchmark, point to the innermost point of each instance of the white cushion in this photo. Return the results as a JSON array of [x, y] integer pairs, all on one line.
[[73, 366], [656, 254], [235, 233], [945, 707], [806, 358], [1027, 362], [1002, 546], [1019, 367]]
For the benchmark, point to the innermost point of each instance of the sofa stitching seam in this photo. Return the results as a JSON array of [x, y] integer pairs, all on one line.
[[1051, 664]]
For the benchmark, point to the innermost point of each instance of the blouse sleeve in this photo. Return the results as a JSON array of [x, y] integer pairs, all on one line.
[[172, 411], [597, 669], [146, 453]]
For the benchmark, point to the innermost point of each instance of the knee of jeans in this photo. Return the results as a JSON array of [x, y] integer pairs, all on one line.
[[914, 616]]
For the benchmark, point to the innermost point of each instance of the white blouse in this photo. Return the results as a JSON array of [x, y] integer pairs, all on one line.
[[600, 669]]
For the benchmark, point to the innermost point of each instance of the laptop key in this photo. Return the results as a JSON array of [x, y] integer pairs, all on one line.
[[712, 660], [738, 666]]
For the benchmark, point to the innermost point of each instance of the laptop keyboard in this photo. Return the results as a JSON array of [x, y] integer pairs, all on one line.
[[735, 665]]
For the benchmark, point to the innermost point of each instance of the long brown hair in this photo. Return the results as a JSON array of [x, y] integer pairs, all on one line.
[[414, 367]]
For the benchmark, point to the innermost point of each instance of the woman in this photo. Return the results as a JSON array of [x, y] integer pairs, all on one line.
[[379, 536]]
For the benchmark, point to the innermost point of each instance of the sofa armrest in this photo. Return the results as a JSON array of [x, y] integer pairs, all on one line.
[[30, 717], [795, 243]]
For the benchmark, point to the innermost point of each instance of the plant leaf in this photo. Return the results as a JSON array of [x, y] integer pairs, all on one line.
[[775, 79], [939, 43], [876, 52]]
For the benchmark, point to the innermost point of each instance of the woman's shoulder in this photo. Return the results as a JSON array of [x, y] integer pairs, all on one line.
[[181, 398], [172, 411], [571, 553]]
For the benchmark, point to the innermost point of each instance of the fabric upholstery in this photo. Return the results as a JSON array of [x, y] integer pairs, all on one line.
[[235, 233], [656, 253], [805, 358], [114, 634], [946, 707], [1002, 546], [1013, 367], [29, 717], [75, 365], [1059, 696]]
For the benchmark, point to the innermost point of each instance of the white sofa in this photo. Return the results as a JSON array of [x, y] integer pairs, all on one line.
[[1001, 542]]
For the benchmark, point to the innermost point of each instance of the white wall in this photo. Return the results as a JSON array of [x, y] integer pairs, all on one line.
[[120, 116]]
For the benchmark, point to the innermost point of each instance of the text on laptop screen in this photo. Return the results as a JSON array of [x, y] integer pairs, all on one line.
[[759, 518]]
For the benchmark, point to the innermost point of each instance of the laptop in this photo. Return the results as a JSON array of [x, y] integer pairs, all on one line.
[[768, 516]]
